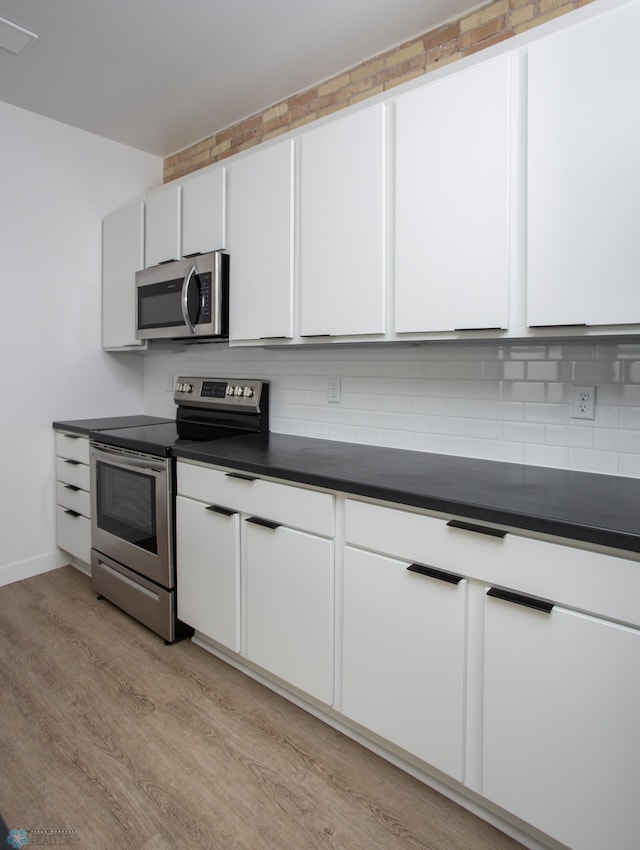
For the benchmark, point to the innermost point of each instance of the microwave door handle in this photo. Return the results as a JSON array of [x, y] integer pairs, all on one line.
[[185, 299]]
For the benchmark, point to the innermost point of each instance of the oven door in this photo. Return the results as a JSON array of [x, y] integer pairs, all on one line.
[[130, 518]]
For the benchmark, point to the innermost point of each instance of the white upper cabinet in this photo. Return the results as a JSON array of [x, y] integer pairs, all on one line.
[[342, 225], [261, 243], [162, 225], [122, 257], [204, 208], [186, 217], [452, 201], [584, 173]]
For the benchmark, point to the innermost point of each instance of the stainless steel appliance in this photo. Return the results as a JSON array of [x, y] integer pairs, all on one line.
[[185, 299], [133, 494]]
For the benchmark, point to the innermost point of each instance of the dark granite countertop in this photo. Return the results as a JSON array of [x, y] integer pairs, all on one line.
[[105, 423], [597, 509]]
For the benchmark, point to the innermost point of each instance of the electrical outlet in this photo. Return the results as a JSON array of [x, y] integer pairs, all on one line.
[[334, 391], [583, 403]]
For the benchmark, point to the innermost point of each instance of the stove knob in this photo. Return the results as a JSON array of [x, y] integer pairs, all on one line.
[[188, 388], [238, 391], [229, 390], [248, 392], [179, 387]]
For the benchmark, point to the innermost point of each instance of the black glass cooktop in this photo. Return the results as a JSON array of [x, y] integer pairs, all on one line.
[[158, 439]]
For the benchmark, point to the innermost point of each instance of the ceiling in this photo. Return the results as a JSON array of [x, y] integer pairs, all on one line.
[[159, 75]]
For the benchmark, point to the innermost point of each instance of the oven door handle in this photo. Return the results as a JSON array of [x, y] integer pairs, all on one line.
[[185, 299], [127, 461]]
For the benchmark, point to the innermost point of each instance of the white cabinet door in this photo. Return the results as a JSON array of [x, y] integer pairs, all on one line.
[[342, 226], [261, 243], [204, 212], [403, 664], [452, 201], [561, 708], [122, 257], [584, 174], [162, 225], [289, 603], [208, 570]]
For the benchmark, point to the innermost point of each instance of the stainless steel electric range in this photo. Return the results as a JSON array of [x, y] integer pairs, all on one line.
[[133, 494]]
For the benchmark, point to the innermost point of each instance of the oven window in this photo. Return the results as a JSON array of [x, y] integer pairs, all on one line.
[[126, 503]]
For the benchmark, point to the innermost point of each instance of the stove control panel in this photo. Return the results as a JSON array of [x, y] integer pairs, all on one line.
[[224, 394]]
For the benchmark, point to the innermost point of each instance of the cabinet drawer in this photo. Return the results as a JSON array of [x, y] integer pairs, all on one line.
[[72, 446], [590, 581], [73, 534], [68, 496], [72, 472], [292, 506]]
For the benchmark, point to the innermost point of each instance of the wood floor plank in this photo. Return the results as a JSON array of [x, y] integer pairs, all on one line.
[[135, 744]]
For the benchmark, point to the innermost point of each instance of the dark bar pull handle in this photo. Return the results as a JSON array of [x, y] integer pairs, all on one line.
[[480, 529], [72, 487], [216, 509], [74, 514], [264, 523], [461, 330], [240, 476], [568, 325], [432, 572], [311, 336], [72, 462], [520, 599], [71, 436]]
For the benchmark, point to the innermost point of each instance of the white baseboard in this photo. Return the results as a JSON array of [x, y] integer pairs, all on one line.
[[32, 567]]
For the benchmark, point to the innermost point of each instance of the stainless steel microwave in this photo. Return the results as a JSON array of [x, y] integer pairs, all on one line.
[[184, 299]]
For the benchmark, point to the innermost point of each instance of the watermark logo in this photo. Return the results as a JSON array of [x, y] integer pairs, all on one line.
[[49, 837]]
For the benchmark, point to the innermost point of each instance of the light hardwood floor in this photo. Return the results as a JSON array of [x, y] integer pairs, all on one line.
[[134, 744]]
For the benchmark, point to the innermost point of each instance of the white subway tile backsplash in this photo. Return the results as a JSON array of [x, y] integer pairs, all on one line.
[[541, 455], [543, 370], [446, 425], [524, 432], [430, 443], [565, 435], [506, 452], [397, 440], [507, 402], [591, 460], [524, 391], [464, 446], [546, 412], [630, 417], [513, 370], [488, 429], [629, 465]]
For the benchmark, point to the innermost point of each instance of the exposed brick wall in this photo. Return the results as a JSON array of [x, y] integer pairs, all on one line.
[[485, 26]]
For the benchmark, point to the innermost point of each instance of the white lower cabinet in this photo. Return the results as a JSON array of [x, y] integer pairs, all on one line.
[[403, 661], [255, 567], [73, 503], [435, 645], [561, 708], [289, 606], [208, 554]]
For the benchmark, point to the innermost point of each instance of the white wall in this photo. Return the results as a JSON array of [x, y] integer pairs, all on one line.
[[56, 185], [500, 402]]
